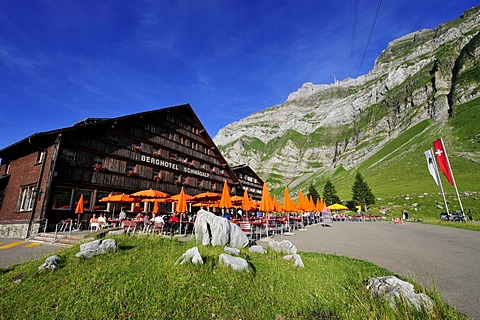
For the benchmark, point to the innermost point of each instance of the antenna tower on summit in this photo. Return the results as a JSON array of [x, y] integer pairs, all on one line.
[[335, 81]]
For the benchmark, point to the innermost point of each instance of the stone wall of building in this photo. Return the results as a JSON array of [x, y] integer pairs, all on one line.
[[13, 230]]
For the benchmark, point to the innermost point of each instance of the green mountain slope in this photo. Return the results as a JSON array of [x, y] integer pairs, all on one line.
[[398, 174], [424, 85]]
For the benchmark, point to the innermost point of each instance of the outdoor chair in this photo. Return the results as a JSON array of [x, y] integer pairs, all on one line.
[[157, 227], [129, 225], [248, 229], [93, 226], [147, 225], [64, 224], [271, 227], [282, 224]]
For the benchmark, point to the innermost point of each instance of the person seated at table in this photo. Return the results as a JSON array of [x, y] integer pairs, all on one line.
[[146, 223], [94, 222], [174, 219], [158, 218], [174, 222], [140, 217], [102, 222]]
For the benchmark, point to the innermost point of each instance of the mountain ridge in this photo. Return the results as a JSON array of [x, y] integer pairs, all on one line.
[[422, 75]]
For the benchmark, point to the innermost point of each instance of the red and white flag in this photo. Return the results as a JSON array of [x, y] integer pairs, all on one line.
[[442, 160], [432, 167]]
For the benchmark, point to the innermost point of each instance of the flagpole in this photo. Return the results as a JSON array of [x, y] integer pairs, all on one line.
[[453, 178], [440, 181]]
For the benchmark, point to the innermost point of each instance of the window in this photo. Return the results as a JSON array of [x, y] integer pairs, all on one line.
[[98, 160], [100, 206], [68, 155], [40, 156], [132, 169], [87, 196], [151, 127], [26, 198], [61, 198], [157, 175]]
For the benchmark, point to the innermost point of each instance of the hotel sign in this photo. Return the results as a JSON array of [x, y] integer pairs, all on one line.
[[174, 166]]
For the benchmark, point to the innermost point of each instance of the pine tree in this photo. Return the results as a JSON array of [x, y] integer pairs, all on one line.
[[312, 192], [361, 193], [330, 194]]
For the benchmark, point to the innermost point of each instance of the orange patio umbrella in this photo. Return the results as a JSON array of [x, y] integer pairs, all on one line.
[[287, 204], [246, 205], [319, 205], [79, 208], [156, 208], [176, 197], [236, 199], [277, 207], [120, 198], [301, 201], [309, 206], [182, 203], [266, 204], [206, 197], [225, 200], [150, 193], [293, 206]]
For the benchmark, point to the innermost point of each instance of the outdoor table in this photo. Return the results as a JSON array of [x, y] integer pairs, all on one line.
[[113, 222], [257, 225]]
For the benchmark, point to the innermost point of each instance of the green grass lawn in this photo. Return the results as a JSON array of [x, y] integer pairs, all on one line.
[[140, 281]]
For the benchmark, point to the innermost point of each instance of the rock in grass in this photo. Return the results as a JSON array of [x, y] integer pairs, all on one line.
[[218, 231], [90, 249], [283, 246], [391, 288], [51, 263], [90, 246], [116, 232], [236, 263], [234, 251], [191, 255], [257, 249], [107, 245], [297, 260], [238, 238], [86, 254]]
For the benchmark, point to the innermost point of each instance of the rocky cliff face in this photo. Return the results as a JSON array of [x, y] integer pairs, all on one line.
[[422, 75]]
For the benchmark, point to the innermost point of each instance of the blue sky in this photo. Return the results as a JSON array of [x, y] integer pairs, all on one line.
[[63, 61]]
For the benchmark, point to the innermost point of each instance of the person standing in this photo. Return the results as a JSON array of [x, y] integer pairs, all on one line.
[[123, 215], [469, 213]]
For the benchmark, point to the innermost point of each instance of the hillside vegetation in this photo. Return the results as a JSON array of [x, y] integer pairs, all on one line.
[[398, 174]]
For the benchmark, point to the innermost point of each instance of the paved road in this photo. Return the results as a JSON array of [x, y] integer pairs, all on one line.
[[15, 251], [447, 257]]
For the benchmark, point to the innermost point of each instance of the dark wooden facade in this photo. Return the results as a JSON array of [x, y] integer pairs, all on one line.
[[164, 149], [249, 181]]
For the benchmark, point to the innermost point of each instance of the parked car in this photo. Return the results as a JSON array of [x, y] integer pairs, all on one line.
[[453, 216]]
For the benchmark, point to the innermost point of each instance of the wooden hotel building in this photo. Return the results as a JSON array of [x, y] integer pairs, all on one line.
[[249, 180], [43, 176]]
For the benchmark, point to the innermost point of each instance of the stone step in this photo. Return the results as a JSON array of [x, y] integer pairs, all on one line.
[[63, 245], [61, 241]]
